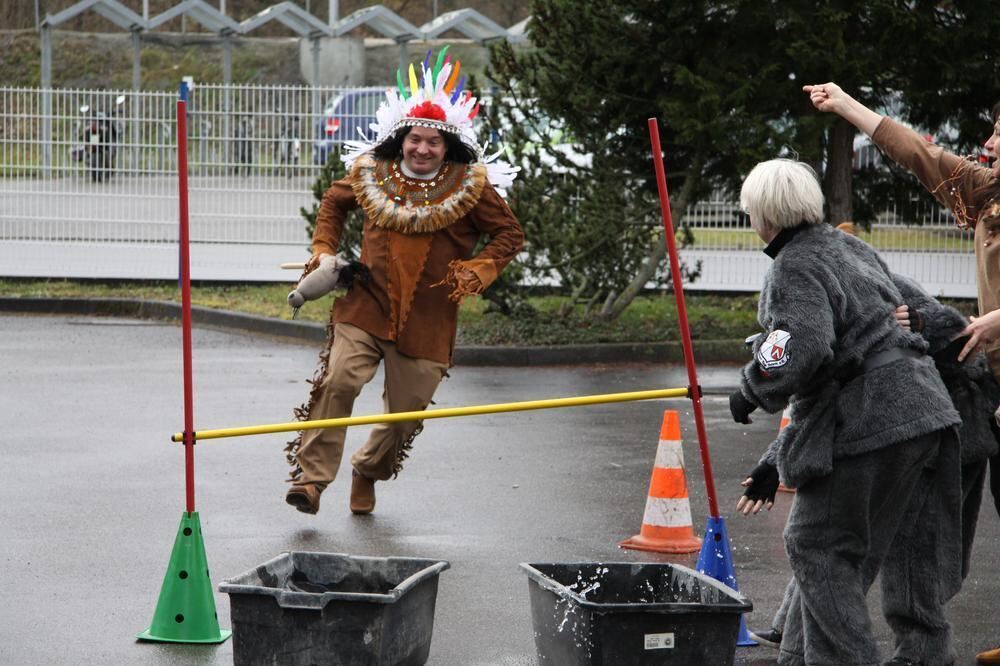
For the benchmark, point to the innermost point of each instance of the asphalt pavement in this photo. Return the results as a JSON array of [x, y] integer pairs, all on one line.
[[93, 490]]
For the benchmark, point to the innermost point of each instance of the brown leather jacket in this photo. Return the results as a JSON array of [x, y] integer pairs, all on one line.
[[406, 300], [958, 184]]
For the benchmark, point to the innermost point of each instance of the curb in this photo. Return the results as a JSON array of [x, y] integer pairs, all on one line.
[[706, 351]]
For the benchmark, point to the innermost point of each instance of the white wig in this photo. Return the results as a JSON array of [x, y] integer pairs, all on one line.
[[783, 194]]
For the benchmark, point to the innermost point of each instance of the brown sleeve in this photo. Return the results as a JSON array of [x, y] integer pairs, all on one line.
[[493, 217], [338, 201], [950, 178]]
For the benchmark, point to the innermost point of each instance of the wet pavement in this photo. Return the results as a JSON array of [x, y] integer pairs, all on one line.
[[93, 490]]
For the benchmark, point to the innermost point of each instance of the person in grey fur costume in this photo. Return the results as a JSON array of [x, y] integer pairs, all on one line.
[[971, 190], [911, 600], [872, 425]]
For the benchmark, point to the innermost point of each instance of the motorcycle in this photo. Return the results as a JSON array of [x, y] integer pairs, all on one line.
[[99, 133]]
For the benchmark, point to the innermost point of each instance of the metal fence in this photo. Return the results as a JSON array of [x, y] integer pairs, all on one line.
[[83, 172], [88, 188]]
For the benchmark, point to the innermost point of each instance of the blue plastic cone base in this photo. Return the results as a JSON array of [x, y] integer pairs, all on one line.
[[743, 638], [185, 612], [716, 560]]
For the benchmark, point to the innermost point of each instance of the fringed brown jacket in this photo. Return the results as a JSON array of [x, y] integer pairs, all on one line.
[[963, 187], [417, 241]]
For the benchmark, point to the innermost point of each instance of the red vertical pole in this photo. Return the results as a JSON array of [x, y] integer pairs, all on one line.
[[675, 272], [185, 269]]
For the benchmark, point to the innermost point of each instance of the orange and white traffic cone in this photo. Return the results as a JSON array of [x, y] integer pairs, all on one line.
[[786, 418], [666, 523]]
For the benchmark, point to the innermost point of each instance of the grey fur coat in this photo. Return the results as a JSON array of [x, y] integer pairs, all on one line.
[[827, 304], [974, 391]]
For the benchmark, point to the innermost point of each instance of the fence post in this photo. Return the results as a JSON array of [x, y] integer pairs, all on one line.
[[46, 101]]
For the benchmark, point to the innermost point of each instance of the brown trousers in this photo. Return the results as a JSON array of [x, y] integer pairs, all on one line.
[[409, 386]]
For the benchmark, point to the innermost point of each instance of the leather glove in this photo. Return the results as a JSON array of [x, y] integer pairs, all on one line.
[[740, 407], [763, 483]]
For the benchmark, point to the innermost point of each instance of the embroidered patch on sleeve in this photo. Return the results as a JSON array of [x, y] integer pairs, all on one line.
[[773, 352]]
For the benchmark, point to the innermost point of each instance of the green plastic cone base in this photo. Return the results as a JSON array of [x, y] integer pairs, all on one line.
[[185, 612]]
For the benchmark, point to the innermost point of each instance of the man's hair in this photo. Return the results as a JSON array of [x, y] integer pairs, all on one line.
[[456, 151], [782, 193], [995, 113]]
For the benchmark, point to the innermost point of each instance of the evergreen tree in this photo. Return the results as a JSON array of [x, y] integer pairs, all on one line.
[[726, 77], [603, 69], [350, 241]]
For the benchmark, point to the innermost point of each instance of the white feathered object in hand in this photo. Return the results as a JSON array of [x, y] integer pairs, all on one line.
[[320, 282]]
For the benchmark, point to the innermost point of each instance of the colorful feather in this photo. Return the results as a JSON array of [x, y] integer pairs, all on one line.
[[458, 89], [428, 79], [441, 79], [399, 83], [414, 88], [454, 75], [440, 63]]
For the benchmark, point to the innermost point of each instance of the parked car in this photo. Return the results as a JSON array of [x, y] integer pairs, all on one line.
[[343, 115]]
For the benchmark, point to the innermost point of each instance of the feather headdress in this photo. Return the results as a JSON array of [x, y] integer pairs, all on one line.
[[439, 101]]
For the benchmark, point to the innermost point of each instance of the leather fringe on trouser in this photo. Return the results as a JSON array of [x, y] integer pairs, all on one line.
[[302, 411]]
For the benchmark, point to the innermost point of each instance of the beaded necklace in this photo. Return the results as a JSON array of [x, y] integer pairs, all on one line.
[[393, 200], [420, 191]]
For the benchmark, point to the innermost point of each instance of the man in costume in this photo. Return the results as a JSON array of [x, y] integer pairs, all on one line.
[[872, 425], [428, 197]]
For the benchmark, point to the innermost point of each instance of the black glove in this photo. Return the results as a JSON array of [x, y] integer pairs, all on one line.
[[914, 320], [740, 407], [950, 353], [764, 484]]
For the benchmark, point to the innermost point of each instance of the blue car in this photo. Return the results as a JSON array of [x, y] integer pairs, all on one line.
[[343, 115]]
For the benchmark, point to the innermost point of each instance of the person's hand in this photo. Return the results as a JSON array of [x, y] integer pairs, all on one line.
[[981, 331], [740, 407], [466, 282], [828, 97], [761, 487], [315, 261], [903, 316]]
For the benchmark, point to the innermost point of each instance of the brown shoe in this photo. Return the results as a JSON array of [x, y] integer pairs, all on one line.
[[304, 498], [989, 657], [362, 493]]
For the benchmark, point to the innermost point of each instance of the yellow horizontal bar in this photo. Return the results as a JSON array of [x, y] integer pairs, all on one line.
[[437, 413]]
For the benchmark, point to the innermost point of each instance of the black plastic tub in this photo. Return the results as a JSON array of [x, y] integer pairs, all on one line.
[[615, 613], [329, 608]]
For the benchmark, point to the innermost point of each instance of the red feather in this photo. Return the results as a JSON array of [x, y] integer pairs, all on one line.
[[428, 110]]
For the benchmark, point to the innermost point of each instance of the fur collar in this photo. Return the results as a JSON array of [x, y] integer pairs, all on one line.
[[411, 206]]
